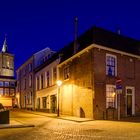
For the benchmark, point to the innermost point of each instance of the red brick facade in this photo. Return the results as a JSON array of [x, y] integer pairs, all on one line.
[[87, 75]]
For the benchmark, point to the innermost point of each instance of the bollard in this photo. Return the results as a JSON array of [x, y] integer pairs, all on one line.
[[4, 117]]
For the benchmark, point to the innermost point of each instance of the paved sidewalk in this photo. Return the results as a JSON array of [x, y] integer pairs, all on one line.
[[16, 124], [64, 117], [77, 119]]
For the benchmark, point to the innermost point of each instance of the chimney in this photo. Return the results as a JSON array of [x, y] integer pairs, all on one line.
[[118, 31]]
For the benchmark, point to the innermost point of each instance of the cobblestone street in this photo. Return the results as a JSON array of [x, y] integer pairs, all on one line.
[[47, 128]]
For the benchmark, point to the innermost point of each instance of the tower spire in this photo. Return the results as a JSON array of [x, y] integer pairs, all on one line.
[[5, 48]]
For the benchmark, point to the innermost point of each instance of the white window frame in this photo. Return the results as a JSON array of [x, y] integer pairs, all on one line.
[[133, 98], [115, 57], [108, 86]]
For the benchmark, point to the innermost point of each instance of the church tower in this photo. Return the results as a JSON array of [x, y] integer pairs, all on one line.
[[7, 80], [6, 61]]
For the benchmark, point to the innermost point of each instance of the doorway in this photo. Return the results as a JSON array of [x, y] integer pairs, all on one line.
[[53, 103], [24, 101], [38, 103], [130, 102]]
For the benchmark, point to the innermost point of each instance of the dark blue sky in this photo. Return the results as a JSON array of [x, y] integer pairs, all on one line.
[[32, 25]]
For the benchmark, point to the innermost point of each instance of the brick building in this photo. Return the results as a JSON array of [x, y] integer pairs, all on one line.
[[99, 73], [89, 76]]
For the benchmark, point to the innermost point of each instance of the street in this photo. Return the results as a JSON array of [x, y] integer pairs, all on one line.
[[47, 128]]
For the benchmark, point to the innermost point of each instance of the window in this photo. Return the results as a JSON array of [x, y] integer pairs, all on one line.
[[111, 99], [11, 64], [24, 83], [66, 73], [29, 98], [48, 78], [6, 92], [44, 102], [42, 81], [37, 83], [111, 65], [6, 84], [54, 75], [30, 67], [1, 83], [18, 87], [30, 80], [24, 71], [1, 91], [12, 92], [12, 84]]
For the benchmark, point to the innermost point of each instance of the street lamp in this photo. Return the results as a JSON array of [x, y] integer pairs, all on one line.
[[59, 83]]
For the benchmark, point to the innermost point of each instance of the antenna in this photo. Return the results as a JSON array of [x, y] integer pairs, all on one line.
[[75, 34]]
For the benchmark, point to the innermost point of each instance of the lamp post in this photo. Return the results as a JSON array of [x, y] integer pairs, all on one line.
[[59, 83]]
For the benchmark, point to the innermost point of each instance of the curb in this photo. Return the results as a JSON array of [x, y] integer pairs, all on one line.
[[60, 117], [15, 126]]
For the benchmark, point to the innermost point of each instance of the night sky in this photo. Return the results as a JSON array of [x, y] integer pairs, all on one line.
[[32, 25]]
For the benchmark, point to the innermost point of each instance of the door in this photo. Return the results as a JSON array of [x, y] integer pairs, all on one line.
[[53, 103], [130, 101], [129, 105], [25, 101], [38, 103]]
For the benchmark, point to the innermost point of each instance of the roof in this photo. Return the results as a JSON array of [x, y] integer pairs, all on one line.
[[5, 48], [98, 36], [105, 38], [47, 62], [39, 54]]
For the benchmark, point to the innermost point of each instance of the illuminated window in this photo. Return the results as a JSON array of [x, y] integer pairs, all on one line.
[[12, 84], [54, 75], [30, 80], [1, 83], [11, 65], [6, 91], [111, 65], [111, 96], [23, 71], [29, 98], [6, 84], [66, 73], [18, 87], [48, 78], [12, 92], [44, 102], [42, 81], [37, 83], [24, 83], [1, 91], [30, 67]]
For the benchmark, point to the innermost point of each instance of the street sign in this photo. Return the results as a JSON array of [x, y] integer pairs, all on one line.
[[118, 84], [119, 91]]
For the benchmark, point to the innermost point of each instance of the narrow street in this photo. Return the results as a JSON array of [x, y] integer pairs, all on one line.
[[47, 128]]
